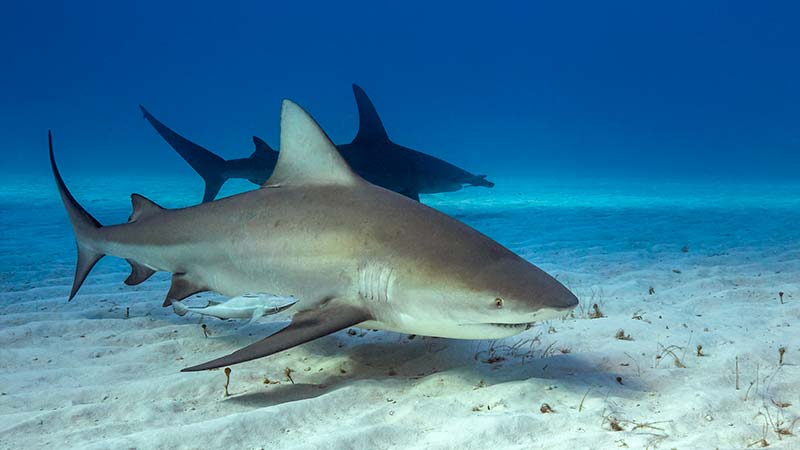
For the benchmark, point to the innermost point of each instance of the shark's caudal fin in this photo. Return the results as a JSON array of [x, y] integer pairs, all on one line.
[[208, 165], [370, 127], [85, 227], [305, 326]]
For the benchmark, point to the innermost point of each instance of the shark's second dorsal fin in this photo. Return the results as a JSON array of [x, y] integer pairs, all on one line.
[[307, 156], [370, 127], [142, 207], [262, 148]]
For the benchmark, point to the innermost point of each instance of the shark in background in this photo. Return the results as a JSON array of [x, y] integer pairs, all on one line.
[[350, 252], [371, 154]]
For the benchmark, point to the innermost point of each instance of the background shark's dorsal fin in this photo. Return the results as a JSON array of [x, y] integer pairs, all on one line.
[[307, 156], [142, 207], [262, 148], [370, 127]]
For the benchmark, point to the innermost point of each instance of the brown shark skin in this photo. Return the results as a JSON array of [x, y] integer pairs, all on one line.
[[265, 240]]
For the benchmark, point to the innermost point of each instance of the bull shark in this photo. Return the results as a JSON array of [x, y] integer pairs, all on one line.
[[352, 254], [371, 154]]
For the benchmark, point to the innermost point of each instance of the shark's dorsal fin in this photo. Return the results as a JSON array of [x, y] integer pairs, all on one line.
[[142, 207], [370, 127], [307, 156], [262, 148]]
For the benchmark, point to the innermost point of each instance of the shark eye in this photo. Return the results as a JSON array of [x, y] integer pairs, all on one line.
[[498, 302]]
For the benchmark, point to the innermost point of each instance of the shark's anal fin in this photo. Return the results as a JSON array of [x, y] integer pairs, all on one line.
[[181, 288], [306, 326], [139, 273], [142, 207]]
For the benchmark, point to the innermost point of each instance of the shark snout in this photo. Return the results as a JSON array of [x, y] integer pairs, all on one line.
[[480, 180], [562, 300]]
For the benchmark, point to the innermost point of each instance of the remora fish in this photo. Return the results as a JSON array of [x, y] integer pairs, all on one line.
[[352, 253], [372, 155], [248, 306]]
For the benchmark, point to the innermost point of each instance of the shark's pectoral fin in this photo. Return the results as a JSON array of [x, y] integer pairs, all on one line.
[[181, 288], [257, 314], [139, 273], [305, 326]]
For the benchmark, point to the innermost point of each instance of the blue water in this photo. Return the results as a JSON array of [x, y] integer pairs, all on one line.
[[644, 154], [591, 89]]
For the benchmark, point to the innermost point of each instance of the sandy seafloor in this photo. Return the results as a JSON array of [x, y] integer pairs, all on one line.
[[82, 375]]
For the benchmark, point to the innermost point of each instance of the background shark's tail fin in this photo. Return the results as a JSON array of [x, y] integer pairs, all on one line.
[[84, 226], [208, 165]]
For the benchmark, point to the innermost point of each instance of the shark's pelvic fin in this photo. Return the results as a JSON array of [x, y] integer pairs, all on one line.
[[84, 226], [142, 207], [305, 326], [181, 288], [307, 156], [370, 127], [208, 165], [139, 273]]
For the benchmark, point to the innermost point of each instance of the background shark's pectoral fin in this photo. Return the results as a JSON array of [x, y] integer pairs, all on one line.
[[305, 326], [181, 288], [139, 273]]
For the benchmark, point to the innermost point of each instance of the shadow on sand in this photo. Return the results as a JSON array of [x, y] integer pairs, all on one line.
[[398, 363]]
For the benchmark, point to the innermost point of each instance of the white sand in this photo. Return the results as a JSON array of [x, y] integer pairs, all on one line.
[[82, 375]]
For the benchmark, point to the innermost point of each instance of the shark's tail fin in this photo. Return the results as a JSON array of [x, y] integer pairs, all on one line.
[[85, 227], [208, 165]]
